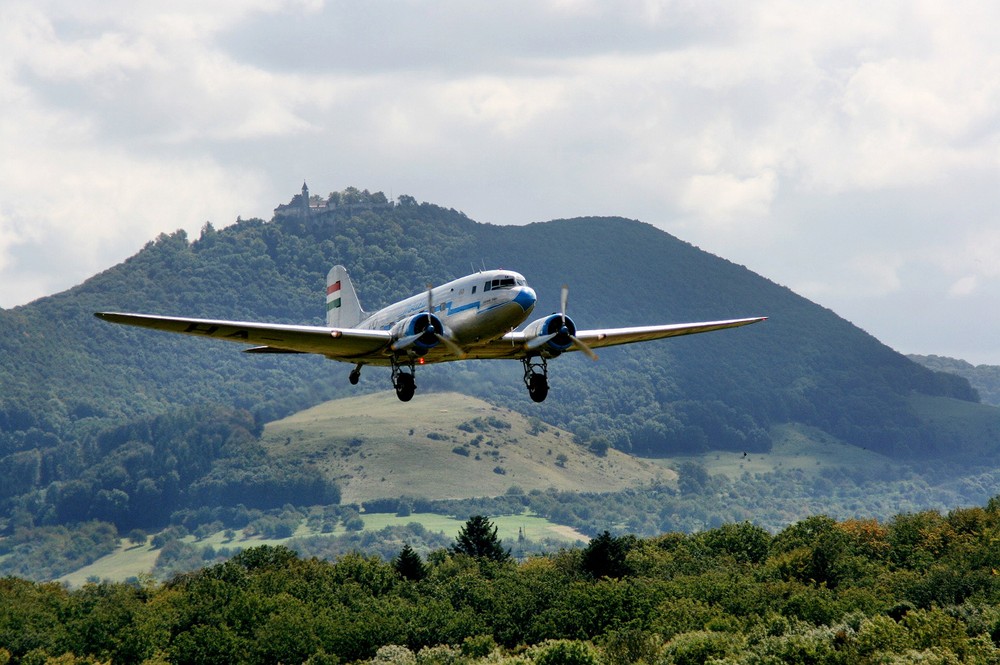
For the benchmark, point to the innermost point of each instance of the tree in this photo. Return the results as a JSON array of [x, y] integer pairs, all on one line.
[[605, 556], [409, 565], [478, 539]]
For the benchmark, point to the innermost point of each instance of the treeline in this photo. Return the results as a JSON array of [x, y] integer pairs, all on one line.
[[697, 502], [921, 587], [985, 379], [137, 475]]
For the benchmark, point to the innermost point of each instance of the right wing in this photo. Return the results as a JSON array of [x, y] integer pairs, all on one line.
[[615, 336], [514, 344], [348, 344]]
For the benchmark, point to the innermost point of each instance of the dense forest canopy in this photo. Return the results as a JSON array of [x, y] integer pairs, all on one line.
[[103, 422], [922, 587]]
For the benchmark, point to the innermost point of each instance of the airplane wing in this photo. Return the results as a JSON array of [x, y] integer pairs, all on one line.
[[512, 345], [615, 336], [349, 344]]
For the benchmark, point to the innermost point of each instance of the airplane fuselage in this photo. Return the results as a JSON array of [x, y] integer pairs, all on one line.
[[474, 308]]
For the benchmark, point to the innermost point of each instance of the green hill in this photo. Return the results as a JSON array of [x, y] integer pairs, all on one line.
[[457, 447], [104, 422], [985, 379]]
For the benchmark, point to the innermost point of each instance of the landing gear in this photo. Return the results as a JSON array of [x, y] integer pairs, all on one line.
[[403, 381], [536, 378], [355, 375]]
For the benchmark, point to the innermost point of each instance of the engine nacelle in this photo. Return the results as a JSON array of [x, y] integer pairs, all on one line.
[[550, 335], [417, 334]]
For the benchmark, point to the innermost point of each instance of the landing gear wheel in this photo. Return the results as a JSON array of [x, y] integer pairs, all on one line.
[[536, 377], [405, 386], [538, 387], [355, 375], [404, 382]]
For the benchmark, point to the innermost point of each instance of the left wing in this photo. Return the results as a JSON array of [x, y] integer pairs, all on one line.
[[349, 344]]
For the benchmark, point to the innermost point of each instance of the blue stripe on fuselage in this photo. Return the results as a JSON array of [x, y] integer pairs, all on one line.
[[456, 310]]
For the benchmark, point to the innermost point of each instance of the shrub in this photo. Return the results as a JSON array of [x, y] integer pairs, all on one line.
[[394, 654], [565, 652]]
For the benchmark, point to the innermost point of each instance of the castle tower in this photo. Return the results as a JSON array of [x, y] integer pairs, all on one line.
[[304, 201]]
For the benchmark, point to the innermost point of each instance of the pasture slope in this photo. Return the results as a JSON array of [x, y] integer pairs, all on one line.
[[446, 446]]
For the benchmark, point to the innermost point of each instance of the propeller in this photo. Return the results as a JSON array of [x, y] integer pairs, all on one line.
[[444, 339], [541, 340], [450, 344], [563, 299]]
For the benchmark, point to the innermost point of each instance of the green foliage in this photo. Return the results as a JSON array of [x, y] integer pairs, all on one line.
[[478, 646], [706, 597], [606, 556], [563, 652], [478, 539], [49, 552], [409, 564]]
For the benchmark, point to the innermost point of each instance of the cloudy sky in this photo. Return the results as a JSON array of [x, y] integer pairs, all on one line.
[[848, 150]]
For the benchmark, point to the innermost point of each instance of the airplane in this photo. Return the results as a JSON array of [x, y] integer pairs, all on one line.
[[473, 317]]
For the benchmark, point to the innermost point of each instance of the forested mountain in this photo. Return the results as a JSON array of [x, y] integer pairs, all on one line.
[[91, 410], [985, 379]]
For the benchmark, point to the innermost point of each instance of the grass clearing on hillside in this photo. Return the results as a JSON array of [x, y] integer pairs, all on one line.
[[794, 447], [449, 446]]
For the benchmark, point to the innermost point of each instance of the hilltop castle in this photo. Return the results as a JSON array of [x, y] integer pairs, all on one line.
[[352, 199]]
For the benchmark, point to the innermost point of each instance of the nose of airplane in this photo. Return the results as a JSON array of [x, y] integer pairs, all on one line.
[[525, 297]]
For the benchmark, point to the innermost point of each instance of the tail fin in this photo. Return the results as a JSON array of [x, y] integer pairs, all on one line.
[[342, 307]]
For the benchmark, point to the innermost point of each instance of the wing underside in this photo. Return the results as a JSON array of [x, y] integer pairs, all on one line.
[[512, 345], [349, 344]]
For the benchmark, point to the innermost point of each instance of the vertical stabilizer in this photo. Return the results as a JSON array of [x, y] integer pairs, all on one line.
[[342, 307]]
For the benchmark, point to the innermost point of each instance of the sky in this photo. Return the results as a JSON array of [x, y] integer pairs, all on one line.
[[847, 150]]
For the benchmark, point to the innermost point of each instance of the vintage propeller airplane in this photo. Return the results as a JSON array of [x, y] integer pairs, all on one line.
[[468, 318]]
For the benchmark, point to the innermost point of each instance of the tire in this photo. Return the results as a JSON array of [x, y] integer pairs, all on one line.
[[538, 387], [405, 387]]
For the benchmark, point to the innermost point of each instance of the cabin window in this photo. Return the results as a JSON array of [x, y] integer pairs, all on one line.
[[473, 289], [486, 287]]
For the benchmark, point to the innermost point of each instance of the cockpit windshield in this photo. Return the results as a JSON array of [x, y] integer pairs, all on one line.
[[503, 282]]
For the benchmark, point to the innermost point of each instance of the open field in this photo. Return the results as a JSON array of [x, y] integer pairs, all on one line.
[[795, 447], [131, 560]]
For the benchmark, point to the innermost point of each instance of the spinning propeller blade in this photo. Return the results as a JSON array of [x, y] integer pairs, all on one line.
[[563, 299], [441, 337]]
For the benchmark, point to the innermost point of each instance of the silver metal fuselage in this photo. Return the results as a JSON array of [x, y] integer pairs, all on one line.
[[475, 308]]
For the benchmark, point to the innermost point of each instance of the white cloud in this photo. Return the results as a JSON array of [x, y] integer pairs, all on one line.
[[848, 149], [965, 286], [724, 199]]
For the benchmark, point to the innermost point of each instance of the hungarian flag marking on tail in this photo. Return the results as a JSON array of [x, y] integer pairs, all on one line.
[[333, 296]]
